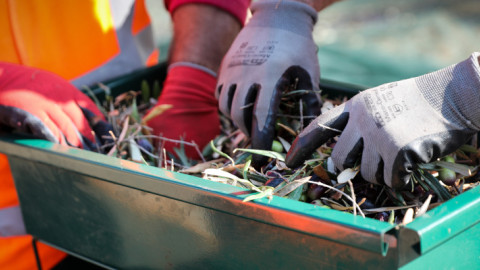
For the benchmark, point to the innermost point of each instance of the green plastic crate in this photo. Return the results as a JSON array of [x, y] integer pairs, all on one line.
[[121, 214]]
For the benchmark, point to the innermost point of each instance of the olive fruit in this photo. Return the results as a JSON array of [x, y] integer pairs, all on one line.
[[447, 176]]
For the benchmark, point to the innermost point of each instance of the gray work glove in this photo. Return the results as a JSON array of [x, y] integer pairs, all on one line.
[[396, 126], [272, 52]]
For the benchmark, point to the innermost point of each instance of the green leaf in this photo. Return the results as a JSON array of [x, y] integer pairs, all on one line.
[[95, 99], [182, 156], [267, 192], [396, 197], [435, 185], [243, 158], [221, 153], [297, 173], [220, 173], [391, 218], [245, 169], [417, 176], [279, 187], [207, 150], [468, 149], [428, 166], [135, 115], [297, 193], [200, 167], [156, 89], [459, 168], [257, 177], [223, 174], [145, 91], [271, 154], [400, 198], [106, 89], [135, 153], [156, 111], [292, 186]]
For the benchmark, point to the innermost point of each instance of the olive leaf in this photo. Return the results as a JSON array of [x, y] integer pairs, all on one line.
[[145, 88], [200, 167], [295, 184], [267, 192], [458, 168], [346, 175], [266, 153], [156, 112], [215, 149], [134, 150]]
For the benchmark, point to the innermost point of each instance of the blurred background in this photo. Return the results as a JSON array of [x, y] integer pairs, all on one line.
[[370, 42]]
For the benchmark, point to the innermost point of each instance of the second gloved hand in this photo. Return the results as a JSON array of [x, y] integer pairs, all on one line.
[[394, 127], [274, 52], [47, 106], [194, 112]]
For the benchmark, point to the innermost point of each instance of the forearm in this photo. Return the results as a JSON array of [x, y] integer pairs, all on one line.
[[202, 35]]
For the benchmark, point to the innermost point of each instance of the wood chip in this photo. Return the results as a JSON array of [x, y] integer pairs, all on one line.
[[321, 172]]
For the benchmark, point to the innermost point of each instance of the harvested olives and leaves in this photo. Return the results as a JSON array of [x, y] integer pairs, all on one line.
[[227, 159]]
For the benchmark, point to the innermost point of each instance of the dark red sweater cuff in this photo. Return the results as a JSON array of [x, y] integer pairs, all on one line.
[[238, 8]]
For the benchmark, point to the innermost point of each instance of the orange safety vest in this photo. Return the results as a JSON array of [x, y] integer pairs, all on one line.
[[82, 41], [85, 42], [16, 250]]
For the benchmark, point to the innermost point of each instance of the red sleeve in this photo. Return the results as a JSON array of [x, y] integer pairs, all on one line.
[[238, 8]]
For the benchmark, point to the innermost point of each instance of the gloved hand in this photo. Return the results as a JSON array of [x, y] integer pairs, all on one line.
[[194, 113], [45, 105], [272, 53], [396, 126]]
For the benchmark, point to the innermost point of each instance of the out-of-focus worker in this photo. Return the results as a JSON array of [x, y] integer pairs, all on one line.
[[86, 42]]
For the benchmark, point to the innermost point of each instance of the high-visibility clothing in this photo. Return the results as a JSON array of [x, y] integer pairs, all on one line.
[[16, 250], [86, 42], [83, 41]]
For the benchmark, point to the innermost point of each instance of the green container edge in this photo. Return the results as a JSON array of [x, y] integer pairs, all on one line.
[[22, 147]]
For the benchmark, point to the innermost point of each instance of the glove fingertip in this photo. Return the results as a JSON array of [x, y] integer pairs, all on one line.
[[261, 141], [258, 161], [101, 128], [297, 154], [87, 144], [399, 180], [317, 133], [87, 113]]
